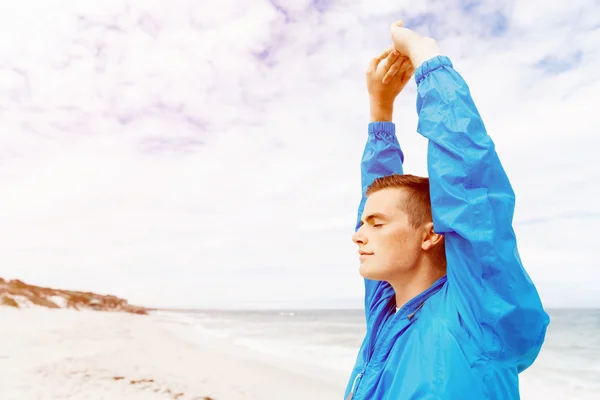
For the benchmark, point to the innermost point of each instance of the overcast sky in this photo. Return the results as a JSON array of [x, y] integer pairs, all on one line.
[[207, 153]]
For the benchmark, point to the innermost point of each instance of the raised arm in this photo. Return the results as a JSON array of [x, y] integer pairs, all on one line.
[[382, 154], [472, 205]]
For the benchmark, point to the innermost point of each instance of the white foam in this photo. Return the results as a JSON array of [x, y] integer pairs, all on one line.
[[335, 358], [324, 345]]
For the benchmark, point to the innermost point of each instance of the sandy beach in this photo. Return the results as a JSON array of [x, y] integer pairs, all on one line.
[[48, 354], [67, 354]]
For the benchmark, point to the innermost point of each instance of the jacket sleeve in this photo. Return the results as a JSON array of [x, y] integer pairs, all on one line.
[[382, 156], [472, 205]]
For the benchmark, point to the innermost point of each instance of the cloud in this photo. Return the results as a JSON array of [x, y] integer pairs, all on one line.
[[554, 65], [184, 156]]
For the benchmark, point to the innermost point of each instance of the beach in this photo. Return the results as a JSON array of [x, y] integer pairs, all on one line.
[[67, 354], [48, 354]]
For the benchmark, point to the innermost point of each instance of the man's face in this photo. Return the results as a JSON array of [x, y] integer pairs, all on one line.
[[389, 243]]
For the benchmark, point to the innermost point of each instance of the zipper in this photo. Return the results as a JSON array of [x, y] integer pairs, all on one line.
[[351, 394], [382, 319], [376, 344]]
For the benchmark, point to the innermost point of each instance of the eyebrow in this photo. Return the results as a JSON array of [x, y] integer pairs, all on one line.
[[374, 216]]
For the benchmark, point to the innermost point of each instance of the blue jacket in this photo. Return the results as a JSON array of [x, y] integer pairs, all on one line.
[[474, 330]]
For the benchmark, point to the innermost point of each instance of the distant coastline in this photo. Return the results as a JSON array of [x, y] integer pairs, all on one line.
[[18, 294]]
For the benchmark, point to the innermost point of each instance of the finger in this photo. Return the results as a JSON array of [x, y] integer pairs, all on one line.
[[397, 24], [389, 76], [398, 68], [375, 61], [385, 53], [406, 65], [387, 63], [393, 70], [406, 75], [372, 65]]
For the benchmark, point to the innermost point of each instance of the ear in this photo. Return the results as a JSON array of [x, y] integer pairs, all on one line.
[[430, 238]]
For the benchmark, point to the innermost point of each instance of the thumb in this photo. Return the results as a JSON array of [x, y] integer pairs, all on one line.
[[397, 24], [402, 37]]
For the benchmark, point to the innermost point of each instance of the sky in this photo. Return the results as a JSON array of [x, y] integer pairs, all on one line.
[[183, 155]]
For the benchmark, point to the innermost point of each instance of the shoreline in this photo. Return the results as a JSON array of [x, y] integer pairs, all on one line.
[[52, 354], [58, 353], [186, 330]]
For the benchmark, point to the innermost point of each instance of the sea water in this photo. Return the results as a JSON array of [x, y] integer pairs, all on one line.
[[568, 366]]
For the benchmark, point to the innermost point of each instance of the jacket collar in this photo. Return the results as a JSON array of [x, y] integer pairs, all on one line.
[[414, 304]]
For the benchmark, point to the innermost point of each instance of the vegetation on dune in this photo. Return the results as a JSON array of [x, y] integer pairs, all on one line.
[[15, 293]]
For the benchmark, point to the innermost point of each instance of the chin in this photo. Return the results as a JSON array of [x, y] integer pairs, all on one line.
[[368, 273]]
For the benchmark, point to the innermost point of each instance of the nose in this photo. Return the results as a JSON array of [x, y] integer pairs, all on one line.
[[359, 238]]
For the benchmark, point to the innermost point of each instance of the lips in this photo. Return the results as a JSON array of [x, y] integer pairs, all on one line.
[[363, 255]]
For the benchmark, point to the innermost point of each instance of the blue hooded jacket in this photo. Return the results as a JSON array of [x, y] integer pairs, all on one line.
[[474, 330]]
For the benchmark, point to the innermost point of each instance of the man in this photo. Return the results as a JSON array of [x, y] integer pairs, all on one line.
[[451, 313]]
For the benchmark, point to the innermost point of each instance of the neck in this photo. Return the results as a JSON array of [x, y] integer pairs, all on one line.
[[417, 280]]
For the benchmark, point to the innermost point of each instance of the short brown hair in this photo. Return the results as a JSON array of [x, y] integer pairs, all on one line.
[[418, 203]]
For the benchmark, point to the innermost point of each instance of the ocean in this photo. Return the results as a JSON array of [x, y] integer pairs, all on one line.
[[568, 366]]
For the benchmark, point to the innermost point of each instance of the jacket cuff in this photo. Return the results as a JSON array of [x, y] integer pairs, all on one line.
[[382, 127], [431, 65]]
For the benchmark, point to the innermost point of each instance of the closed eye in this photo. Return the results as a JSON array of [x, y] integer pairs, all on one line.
[[377, 225]]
